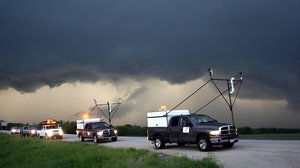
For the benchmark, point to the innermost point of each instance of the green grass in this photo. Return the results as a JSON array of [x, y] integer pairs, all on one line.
[[32, 152], [275, 136]]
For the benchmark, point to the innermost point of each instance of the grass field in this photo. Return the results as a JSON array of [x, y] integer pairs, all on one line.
[[33, 152], [283, 136]]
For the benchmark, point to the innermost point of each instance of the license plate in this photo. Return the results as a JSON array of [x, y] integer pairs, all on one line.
[[231, 140]]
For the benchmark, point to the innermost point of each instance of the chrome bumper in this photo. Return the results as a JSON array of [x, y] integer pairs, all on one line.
[[106, 138], [219, 140]]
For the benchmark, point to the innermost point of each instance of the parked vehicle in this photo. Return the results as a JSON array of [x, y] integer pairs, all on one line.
[[49, 130], [15, 130], [25, 131], [181, 127], [33, 130], [96, 130]]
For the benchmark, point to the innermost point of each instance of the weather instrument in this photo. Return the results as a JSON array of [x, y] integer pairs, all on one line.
[[231, 83], [112, 108]]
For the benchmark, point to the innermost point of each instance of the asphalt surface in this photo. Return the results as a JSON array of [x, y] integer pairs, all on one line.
[[244, 154]]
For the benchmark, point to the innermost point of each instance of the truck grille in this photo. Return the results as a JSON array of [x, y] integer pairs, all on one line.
[[108, 132], [228, 130]]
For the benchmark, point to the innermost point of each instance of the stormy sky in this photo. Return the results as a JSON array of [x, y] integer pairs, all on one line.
[[56, 56]]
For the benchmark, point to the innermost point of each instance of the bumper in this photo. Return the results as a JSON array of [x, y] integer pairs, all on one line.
[[14, 133], [106, 138], [56, 136], [221, 140]]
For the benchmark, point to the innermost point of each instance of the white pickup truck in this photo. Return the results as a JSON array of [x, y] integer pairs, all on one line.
[[50, 131]]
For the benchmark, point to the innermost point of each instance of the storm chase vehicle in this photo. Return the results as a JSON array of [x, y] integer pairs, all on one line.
[[181, 127], [33, 130], [15, 130], [96, 130], [50, 129], [25, 131]]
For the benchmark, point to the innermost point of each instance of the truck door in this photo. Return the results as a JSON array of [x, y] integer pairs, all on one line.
[[43, 131], [174, 129], [186, 133], [87, 132]]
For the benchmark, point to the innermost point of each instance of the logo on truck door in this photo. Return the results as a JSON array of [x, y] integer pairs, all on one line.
[[186, 130]]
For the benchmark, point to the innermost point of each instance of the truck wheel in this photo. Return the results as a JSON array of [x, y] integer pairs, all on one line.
[[228, 145], [81, 139], [95, 139], [204, 143], [159, 143], [180, 143], [114, 139]]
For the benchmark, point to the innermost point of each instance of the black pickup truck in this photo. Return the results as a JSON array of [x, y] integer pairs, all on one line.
[[98, 131], [194, 129]]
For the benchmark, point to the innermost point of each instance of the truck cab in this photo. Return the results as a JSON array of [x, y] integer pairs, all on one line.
[[197, 129]]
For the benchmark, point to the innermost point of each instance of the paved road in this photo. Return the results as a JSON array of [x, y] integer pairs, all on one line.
[[245, 154]]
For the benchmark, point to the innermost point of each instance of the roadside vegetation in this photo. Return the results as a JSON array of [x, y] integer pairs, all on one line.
[[33, 152], [132, 130], [275, 136], [269, 133], [248, 130]]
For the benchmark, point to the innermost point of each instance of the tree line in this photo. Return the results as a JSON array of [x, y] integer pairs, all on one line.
[[69, 127]]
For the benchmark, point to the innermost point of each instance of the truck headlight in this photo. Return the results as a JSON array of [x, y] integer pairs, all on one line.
[[100, 133], [115, 131], [61, 132], [50, 134], [214, 133], [33, 131], [13, 130]]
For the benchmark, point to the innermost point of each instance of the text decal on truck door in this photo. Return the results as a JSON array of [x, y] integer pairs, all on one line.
[[186, 130]]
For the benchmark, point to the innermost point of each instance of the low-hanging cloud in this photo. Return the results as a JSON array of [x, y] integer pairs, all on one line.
[[55, 42]]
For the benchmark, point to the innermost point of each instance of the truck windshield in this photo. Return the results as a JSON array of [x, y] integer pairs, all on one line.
[[33, 127], [100, 125], [202, 119], [50, 127]]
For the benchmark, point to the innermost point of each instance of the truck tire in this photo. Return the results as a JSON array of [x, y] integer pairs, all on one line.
[[81, 139], [228, 145], [180, 143], [159, 143], [114, 139], [95, 139], [204, 143]]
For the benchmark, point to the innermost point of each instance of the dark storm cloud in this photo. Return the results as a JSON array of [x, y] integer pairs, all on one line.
[[53, 42]]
